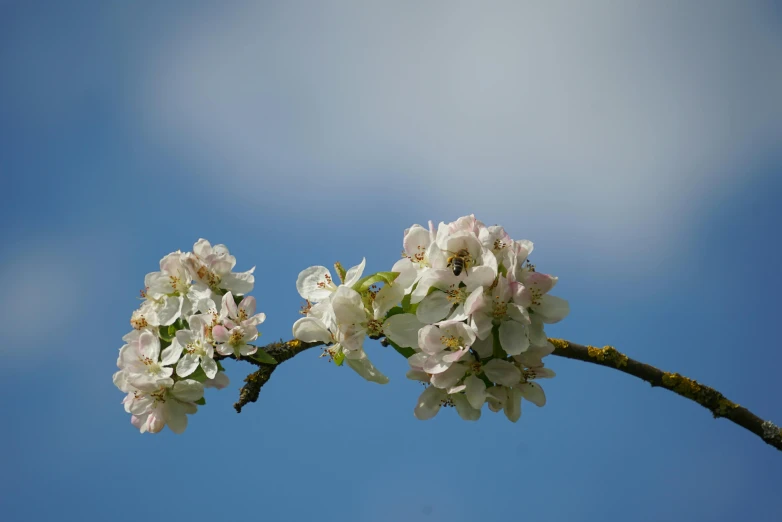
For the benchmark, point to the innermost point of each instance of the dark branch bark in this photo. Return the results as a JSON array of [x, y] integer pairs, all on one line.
[[607, 356], [707, 397], [281, 351]]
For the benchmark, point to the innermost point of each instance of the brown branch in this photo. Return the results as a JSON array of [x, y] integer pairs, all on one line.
[[607, 356], [281, 351], [707, 397]]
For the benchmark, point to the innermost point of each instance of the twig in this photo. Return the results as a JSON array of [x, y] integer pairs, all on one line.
[[607, 356], [281, 351], [688, 388]]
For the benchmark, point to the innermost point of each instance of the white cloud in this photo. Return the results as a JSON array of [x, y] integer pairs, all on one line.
[[597, 121], [41, 299]]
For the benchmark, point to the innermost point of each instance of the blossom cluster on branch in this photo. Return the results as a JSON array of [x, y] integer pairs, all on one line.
[[194, 307], [464, 305]]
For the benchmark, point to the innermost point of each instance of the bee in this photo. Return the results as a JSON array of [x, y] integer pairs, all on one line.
[[459, 261]]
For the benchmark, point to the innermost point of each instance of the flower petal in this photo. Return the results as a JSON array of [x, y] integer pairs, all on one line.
[[311, 330], [312, 283], [364, 367], [464, 408], [176, 417], [475, 392], [434, 307], [533, 392], [429, 403], [502, 372], [513, 337], [188, 390], [354, 273], [513, 406], [552, 309], [449, 377], [403, 329], [187, 365]]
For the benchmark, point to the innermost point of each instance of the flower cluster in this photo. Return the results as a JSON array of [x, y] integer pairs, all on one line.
[[464, 305], [341, 316], [194, 307]]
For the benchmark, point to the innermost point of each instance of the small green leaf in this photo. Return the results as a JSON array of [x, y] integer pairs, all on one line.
[[198, 375], [394, 311], [339, 359], [201, 401], [497, 351], [364, 283], [406, 352], [406, 302], [219, 366], [263, 356], [503, 270]]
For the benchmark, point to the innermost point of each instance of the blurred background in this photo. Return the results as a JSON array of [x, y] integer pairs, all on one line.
[[636, 143]]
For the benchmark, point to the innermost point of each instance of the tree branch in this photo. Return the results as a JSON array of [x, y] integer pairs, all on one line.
[[707, 397], [281, 351], [607, 356]]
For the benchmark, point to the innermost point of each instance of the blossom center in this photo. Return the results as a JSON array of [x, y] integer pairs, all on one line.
[[452, 342], [179, 284], [500, 309], [208, 276], [153, 367], [327, 283], [236, 337], [138, 322], [197, 348], [456, 295], [419, 256], [374, 327]]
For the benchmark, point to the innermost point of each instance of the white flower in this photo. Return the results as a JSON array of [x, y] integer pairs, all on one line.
[[502, 372], [160, 311], [242, 314], [220, 381], [508, 252], [170, 292], [166, 403], [534, 294], [442, 346], [213, 267], [447, 302], [498, 309], [198, 350], [507, 399], [140, 359], [315, 283], [418, 245], [352, 318], [345, 339], [235, 341], [432, 399]]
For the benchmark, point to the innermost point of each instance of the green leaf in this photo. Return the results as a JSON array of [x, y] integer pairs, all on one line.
[[395, 311], [406, 302], [219, 366], [364, 283], [406, 352], [263, 356], [339, 358], [198, 375], [201, 401], [503, 270], [497, 351], [166, 334]]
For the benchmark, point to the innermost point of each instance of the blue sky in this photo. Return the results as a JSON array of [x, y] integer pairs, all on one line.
[[637, 146]]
